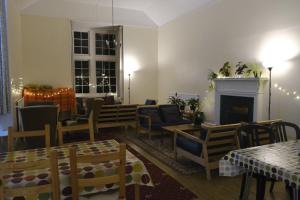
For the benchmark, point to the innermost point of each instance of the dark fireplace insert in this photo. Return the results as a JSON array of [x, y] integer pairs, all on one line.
[[235, 109]]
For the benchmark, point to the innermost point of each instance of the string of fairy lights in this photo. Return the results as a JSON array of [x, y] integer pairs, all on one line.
[[293, 93]]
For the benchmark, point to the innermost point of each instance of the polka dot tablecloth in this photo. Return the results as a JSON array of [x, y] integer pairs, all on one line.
[[136, 172], [280, 161]]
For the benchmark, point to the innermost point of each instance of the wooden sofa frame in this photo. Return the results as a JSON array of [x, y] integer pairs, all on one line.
[[116, 116], [219, 140]]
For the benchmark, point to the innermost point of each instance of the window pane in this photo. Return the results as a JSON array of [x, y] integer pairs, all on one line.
[[113, 89], [77, 50], [85, 50], [85, 72], [84, 35], [85, 43], [78, 72], [85, 89], [106, 89], [113, 81], [78, 81], [78, 89], [77, 34], [99, 51], [77, 42], [85, 64]]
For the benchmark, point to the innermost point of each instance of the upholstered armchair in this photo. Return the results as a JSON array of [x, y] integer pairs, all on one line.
[[171, 115], [148, 119]]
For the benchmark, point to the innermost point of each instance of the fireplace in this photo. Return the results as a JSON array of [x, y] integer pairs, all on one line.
[[239, 99], [235, 109]]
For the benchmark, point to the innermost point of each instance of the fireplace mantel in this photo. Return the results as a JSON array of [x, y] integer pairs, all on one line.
[[243, 87]]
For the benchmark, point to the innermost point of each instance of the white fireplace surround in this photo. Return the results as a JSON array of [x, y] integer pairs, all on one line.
[[242, 87]]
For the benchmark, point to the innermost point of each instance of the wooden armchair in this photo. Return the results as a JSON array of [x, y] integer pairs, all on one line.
[[12, 134], [207, 145], [119, 178], [53, 187], [77, 127]]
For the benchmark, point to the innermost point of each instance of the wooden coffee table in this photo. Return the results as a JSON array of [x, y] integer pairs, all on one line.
[[182, 127]]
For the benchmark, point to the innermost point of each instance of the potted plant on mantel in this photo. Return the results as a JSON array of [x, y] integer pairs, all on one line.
[[242, 71]]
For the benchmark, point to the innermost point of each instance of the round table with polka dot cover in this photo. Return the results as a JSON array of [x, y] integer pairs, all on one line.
[[136, 172], [280, 161]]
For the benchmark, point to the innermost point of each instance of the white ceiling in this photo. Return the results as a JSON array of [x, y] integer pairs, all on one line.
[[158, 11]]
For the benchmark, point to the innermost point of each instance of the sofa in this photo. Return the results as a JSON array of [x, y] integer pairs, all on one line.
[[153, 118], [209, 143]]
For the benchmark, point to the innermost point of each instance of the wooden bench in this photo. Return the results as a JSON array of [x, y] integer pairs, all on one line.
[[216, 142], [116, 116]]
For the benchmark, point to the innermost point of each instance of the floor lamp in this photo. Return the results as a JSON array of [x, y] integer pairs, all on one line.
[[129, 77], [270, 91]]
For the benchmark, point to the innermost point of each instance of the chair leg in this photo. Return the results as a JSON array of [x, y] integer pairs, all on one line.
[[208, 176], [260, 187], [272, 185], [242, 186]]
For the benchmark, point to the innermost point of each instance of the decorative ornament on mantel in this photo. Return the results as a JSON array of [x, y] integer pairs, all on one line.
[[242, 70]]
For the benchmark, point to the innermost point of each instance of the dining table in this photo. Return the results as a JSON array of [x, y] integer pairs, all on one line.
[[278, 161], [136, 172]]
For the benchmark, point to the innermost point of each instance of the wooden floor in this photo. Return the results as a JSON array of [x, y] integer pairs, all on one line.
[[219, 188]]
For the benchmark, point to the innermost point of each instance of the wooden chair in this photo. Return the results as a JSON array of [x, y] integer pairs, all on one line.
[[53, 187], [77, 127], [279, 130], [252, 135], [119, 178], [12, 134]]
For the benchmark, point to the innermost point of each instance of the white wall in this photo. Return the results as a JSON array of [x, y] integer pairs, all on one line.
[[140, 55], [231, 30], [47, 55], [47, 44]]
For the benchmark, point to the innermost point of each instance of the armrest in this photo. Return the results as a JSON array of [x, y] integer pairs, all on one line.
[[147, 117], [188, 136], [143, 116]]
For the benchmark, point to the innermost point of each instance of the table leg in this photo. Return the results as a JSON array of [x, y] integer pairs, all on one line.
[[248, 178], [260, 187], [137, 191]]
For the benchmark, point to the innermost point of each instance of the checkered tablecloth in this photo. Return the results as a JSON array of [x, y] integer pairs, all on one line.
[[136, 172], [280, 161]]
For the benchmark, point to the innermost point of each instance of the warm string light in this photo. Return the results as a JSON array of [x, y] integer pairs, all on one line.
[[47, 94], [292, 93], [17, 86]]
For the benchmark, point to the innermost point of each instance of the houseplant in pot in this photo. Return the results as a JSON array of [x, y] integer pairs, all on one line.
[[176, 100], [198, 118], [193, 103]]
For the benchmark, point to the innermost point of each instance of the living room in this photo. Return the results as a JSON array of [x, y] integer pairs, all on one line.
[[160, 51]]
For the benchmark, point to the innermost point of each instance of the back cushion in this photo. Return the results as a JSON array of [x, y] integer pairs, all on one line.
[[170, 113], [150, 111]]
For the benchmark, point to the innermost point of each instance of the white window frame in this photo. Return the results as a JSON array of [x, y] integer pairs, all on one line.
[[92, 57]]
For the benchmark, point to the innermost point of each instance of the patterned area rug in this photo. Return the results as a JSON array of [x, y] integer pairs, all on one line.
[[160, 147], [165, 187]]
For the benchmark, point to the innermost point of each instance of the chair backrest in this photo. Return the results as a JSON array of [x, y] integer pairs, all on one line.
[[119, 178], [251, 135], [117, 113], [150, 102], [53, 187], [170, 113], [219, 140], [279, 130], [12, 134], [35, 118]]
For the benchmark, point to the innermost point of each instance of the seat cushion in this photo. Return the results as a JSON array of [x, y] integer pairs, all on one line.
[[170, 113], [189, 145]]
